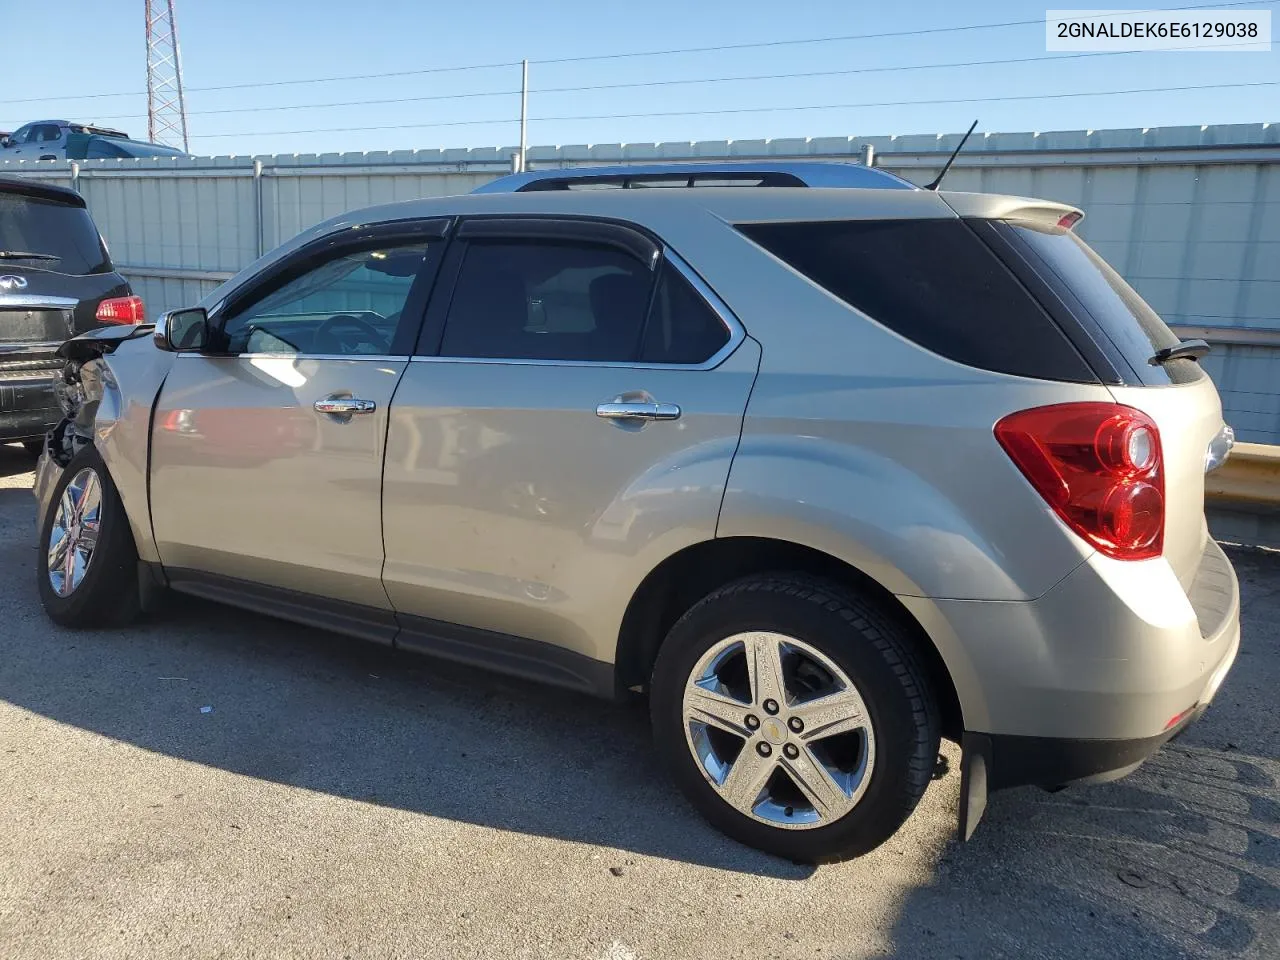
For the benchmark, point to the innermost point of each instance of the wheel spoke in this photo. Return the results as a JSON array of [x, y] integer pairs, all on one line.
[[69, 564], [707, 706], [764, 667], [89, 495], [746, 779], [58, 546], [88, 536], [809, 774], [839, 712], [66, 508]]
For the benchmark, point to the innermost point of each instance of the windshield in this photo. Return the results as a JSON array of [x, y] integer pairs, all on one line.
[[55, 230]]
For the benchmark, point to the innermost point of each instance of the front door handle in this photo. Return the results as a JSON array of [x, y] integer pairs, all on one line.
[[637, 410], [345, 406]]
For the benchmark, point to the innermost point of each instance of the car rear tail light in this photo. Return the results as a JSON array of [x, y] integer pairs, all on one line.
[[1099, 466], [121, 310]]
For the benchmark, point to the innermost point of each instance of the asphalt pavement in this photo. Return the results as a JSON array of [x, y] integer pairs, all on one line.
[[212, 783]]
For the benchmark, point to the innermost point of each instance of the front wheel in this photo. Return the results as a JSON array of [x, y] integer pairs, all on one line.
[[87, 564], [795, 718]]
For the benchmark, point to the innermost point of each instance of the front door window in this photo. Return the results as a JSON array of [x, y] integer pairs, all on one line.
[[349, 306]]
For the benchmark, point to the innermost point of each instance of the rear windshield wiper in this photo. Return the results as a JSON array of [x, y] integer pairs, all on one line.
[[26, 255], [1184, 350]]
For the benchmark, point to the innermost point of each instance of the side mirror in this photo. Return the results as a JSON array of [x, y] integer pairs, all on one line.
[[183, 331]]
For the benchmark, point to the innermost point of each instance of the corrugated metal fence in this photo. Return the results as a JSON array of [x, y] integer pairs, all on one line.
[[1190, 215]]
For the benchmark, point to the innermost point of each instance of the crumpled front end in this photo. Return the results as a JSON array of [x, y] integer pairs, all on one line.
[[107, 391]]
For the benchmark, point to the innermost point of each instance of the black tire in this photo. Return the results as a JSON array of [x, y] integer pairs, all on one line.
[[33, 447], [874, 651], [108, 594]]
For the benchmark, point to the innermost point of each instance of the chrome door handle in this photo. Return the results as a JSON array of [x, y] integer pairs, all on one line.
[[345, 406], [637, 410]]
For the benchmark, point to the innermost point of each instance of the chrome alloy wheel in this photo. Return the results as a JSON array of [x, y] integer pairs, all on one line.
[[779, 730], [75, 531]]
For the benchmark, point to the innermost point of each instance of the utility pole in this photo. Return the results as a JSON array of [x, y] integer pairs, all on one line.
[[524, 113], [166, 106]]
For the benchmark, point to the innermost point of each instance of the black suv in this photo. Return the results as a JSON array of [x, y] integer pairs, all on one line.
[[56, 281]]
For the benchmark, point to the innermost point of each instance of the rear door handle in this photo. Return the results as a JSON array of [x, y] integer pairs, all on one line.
[[637, 410], [345, 406]]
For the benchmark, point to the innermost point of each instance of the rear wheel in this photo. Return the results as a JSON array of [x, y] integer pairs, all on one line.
[[794, 717], [87, 565]]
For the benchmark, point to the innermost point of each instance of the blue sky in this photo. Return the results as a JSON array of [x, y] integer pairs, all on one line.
[[238, 41]]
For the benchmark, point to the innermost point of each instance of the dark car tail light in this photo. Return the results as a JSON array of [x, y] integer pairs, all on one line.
[[1099, 466], [121, 310]]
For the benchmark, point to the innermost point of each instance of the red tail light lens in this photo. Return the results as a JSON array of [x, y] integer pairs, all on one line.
[[1100, 467], [121, 310]]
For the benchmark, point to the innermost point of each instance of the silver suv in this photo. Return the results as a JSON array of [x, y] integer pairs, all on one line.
[[829, 474]]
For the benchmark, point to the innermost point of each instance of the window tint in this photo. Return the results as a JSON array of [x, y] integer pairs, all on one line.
[[48, 132], [59, 230], [1133, 327], [682, 327], [934, 282], [347, 306], [547, 301]]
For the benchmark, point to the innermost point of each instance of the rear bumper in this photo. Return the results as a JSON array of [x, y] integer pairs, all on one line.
[[1057, 761], [28, 408], [1114, 652]]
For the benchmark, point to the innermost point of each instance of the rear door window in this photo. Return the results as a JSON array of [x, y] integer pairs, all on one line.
[[531, 300], [935, 283], [59, 231], [1135, 330], [682, 327]]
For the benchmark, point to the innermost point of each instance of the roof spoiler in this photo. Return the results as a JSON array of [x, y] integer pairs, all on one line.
[[991, 206], [39, 190]]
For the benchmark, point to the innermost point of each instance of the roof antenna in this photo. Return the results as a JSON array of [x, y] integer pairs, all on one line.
[[952, 159]]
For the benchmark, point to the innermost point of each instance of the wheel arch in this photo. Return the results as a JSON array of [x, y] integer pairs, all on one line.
[[688, 575]]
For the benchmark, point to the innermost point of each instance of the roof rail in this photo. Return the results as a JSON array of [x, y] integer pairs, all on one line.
[[754, 173]]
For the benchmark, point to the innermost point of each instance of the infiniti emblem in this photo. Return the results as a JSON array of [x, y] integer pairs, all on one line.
[[11, 282]]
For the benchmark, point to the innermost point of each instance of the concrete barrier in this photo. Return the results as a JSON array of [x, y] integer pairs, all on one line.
[[1251, 475]]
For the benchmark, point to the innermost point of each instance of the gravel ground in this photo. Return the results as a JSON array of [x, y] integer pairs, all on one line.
[[341, 801]]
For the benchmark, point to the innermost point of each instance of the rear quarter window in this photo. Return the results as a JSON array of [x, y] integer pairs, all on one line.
[[935, 283], [1089, 285]]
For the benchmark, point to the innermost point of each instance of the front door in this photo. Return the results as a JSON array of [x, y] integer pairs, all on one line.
[[267, 456], [569, 422]]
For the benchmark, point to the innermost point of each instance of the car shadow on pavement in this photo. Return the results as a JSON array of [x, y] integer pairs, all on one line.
[[324, 713], [1180, 859], [15, 460]]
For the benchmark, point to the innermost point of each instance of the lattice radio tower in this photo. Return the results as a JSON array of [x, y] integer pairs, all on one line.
[[166, 108]]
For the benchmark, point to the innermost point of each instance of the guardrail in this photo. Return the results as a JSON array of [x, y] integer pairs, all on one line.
[[1251, 475]]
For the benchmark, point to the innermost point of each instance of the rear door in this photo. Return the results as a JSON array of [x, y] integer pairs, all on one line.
[[568, 422], [267, 455]]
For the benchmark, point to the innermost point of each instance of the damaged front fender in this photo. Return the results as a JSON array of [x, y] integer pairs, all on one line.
[[108, 388]]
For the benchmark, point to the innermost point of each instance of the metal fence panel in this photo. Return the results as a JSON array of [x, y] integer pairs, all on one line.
[[1189, 215]]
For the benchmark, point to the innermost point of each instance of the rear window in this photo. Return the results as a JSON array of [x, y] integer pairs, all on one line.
[[34, 225], [1136, 331], [935, 283]]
